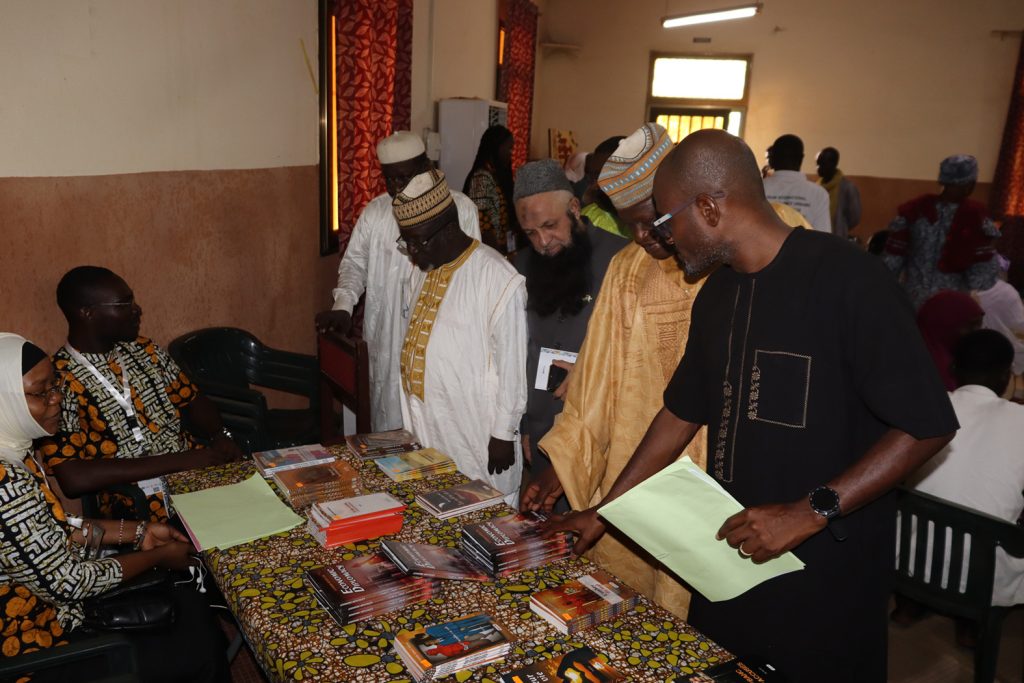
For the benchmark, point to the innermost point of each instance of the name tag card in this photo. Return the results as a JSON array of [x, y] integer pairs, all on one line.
[[544, 364]]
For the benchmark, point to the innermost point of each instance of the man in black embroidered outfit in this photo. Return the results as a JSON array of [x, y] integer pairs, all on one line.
[[804, 361]]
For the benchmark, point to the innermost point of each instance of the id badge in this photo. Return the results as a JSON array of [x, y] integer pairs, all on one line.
[[544, 364], [151, 487]]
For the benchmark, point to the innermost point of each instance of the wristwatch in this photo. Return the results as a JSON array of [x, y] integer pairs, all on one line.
[[825, 501]]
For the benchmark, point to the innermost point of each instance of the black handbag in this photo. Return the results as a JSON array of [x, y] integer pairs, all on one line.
[[144, 603]]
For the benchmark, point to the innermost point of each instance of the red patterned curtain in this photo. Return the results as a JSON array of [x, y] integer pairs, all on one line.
[[374, 84], [1008, 187], [516, 85]]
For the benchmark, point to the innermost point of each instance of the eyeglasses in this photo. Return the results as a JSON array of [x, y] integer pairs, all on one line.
[[405, 245], [660, 227], [55, 390], [130, 302]]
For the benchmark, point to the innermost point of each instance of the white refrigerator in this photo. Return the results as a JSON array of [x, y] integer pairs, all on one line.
[[461, 122]]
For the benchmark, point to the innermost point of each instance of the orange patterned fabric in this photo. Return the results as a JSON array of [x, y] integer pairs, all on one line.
[[94, 426], [516, 86], [1008, 188], [374, 59]]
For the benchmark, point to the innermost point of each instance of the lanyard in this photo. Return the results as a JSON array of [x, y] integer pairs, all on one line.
[[123, 397]]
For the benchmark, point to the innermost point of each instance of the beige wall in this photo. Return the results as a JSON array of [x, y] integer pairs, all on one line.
[[94, 87], [455, 49], [93, 92], [895, 86]]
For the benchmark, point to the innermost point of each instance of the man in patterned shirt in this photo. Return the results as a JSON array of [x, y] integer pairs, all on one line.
[[122, 417], [944, 241]]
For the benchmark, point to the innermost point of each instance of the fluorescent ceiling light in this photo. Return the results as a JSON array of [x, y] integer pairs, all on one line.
[[709, 16]]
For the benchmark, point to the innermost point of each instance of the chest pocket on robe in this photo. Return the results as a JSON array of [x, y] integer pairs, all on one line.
[[780, 384]]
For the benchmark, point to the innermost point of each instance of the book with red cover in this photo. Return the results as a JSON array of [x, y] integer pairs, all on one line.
[[348, 520], [582, 664]]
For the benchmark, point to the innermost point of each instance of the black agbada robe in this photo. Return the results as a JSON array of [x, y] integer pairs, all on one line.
[[797, 370]]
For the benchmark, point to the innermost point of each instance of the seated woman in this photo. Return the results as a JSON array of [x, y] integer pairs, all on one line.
[[44, 577]]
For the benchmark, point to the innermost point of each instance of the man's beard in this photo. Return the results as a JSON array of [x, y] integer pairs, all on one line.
[[560, 283], [706, 257]]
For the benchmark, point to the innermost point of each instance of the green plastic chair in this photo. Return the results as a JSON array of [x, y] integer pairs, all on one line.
[[228, 364], [949, 525]]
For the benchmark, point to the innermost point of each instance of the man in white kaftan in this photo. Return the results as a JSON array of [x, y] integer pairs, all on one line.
[[373, 264], [463, 361]]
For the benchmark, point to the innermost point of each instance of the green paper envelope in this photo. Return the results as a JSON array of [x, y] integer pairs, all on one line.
[[675, 515], [226, 516]]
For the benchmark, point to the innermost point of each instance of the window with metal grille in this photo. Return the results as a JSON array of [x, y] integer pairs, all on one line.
[[691, 92]]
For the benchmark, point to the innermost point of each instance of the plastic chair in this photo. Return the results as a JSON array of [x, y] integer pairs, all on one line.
[[117, 651], [345, 376], [226, 363], [963, 543]]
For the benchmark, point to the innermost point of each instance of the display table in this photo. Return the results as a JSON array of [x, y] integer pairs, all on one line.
[[296, 640]]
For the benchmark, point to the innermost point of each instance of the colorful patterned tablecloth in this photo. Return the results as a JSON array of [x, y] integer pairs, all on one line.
[[295, 640]]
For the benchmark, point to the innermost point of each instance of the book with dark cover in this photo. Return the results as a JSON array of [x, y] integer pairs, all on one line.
[[747, 670], [423, 559], [505, 545], [379, 444], [473, 495], [366, 586], [582, 664], [283, 459], [584, 602]]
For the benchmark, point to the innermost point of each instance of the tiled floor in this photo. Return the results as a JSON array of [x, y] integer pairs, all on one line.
[[927, 652]]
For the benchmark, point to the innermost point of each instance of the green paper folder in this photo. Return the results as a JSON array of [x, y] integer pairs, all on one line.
[[697, 506], [226, 516]]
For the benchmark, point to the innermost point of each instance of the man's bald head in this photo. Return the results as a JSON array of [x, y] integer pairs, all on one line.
[[712, 186], [710, 161]]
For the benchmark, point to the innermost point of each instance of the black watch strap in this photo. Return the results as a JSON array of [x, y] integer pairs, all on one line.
[[825, 501]]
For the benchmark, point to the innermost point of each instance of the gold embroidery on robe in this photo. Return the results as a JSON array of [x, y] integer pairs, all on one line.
[[417, 337]]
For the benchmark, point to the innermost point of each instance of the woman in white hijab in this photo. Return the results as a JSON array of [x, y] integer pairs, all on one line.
[[44, 571]]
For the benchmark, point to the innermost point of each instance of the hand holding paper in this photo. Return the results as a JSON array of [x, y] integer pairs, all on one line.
[[697, 506]]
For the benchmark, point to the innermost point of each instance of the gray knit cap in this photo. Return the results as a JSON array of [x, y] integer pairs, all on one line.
[[546, 175]]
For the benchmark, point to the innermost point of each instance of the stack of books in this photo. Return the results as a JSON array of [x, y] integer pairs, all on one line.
[[584, 602], [307, 485], [436, 651], [736, 671], [421, 464], [506, 545], [333, 523], [461, 499], [292, 458], [366, 587], [423, 559], [380, 444], [578, 665]]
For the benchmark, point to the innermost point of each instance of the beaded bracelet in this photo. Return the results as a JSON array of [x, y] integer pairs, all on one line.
[[120, 532], [140, 533]]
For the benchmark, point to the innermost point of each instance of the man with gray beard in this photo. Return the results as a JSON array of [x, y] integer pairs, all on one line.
[[564, 269]]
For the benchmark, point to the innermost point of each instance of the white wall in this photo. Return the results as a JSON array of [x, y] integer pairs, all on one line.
[[894, 85], [94, 87], [454, 54]]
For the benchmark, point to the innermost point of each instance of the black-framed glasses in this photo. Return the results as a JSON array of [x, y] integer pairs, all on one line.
[[51, 392], [418, 243], [660, 226]]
